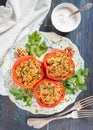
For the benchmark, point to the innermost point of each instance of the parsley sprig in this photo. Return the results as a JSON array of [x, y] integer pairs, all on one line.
[[76, 82], [35, 46], [21, 94]]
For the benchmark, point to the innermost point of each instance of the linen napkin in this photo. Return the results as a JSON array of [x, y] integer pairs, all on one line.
[[19, 18]]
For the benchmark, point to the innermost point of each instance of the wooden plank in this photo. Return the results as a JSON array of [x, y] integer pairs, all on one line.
[[13, 118]]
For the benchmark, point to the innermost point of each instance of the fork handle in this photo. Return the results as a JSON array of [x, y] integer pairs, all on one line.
[[34, 121], [39, 123]]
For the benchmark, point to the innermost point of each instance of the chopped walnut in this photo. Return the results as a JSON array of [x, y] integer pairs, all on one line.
[[20, 52], [70, 51], [30, 90]]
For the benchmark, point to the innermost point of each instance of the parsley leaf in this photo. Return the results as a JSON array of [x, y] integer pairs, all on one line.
[[76, 82], [41, 49], [34, 38], [35, 46], [21, 94]]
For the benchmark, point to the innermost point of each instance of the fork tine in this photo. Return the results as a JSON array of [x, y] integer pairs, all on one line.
[[85, 113], [86, 99], [86, 104], [84, 116], [86, 110]]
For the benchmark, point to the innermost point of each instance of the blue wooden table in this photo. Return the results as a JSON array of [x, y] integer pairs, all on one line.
[[13, 118]]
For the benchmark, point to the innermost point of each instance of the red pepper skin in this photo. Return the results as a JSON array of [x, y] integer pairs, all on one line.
[[17, 62], [46, 66], [37, 96]]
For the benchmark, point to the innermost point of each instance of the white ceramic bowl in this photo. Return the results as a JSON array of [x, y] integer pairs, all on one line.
[[60, 19]]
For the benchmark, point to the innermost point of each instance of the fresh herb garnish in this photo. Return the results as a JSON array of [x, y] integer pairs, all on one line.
[[21, 94], [76, 82], [35, 46]]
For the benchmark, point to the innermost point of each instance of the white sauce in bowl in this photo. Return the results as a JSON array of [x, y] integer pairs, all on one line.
[[61, 19]]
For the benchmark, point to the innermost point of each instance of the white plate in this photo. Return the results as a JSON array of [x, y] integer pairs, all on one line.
[[55, 41]]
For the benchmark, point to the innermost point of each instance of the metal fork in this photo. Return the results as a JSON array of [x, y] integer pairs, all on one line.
[[75, 115], [77, 106], [83, 103]]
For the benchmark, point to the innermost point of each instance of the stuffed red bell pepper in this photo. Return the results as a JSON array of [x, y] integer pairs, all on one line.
[[58, 65], [49, 93], [27, 71]]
